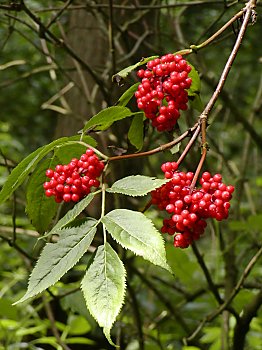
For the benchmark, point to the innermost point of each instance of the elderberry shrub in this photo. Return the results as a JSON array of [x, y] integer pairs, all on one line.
[[162, 92], [73, 181], [189, 208]]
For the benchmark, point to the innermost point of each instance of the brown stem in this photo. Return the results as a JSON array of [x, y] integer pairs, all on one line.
[[189, 145], [50, 315], [203, 119], [158, 149], [203, 123]]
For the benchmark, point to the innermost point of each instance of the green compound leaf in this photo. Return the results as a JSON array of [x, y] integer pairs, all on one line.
[[127, 95], [136, 131], [103, 287], [105, 118], [136, 185], [20, 172], [124, 72], [73, 213], [134, 231], [40, 209], [57, 258]]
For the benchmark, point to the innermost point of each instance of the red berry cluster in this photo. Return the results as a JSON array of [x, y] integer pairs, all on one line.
[[162, 92], [189, 208], [73, 181]]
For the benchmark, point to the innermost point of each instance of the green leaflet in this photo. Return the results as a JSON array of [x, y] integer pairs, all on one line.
[[105, 118], [65, 153], [136, 185], [57, 258], [40, 208], [104, 287], [73, 213], [136, 131], [21, 171], [127, 95], [196, 82], [124, 72], [134, 231]]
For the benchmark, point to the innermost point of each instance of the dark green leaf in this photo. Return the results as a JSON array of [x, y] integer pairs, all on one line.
[[57, 258], [134, 231], [105, 118], [136, 185], [66, 152], [196, 102], [21, 171], [104, 287], [196, 82], [40, 208], [136, 131], [124, 72], [127, 95]]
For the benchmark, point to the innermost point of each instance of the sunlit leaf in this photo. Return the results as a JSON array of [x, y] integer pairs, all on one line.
[[104, 287], [134, 231], [57, 258], [136, 185]]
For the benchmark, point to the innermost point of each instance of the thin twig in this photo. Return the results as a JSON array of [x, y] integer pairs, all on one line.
[[234, 292], [50, 315], [161, 148]]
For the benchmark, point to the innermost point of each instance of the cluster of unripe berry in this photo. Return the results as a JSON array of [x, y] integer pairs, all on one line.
[[189, 208], [162, 92], [73, 181]]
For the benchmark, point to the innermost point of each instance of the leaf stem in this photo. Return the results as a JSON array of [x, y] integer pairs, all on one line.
[[103, 206]]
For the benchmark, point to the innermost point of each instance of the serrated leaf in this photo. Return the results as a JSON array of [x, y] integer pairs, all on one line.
[[104, 287], [124, 72], [73, 213], [134, 231], [196, 82], [136, 131], [127, 95], [57, 258], [21, 171], [105, 118], [136, 185], [39, 208]]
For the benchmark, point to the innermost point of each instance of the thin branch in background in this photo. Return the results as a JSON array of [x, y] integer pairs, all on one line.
[[147, 7], [16, 246], [242, 327], [208, 277], [234, 292], [111, 37], [137, 315], [67, 48], [50, 315], [59, 13]]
